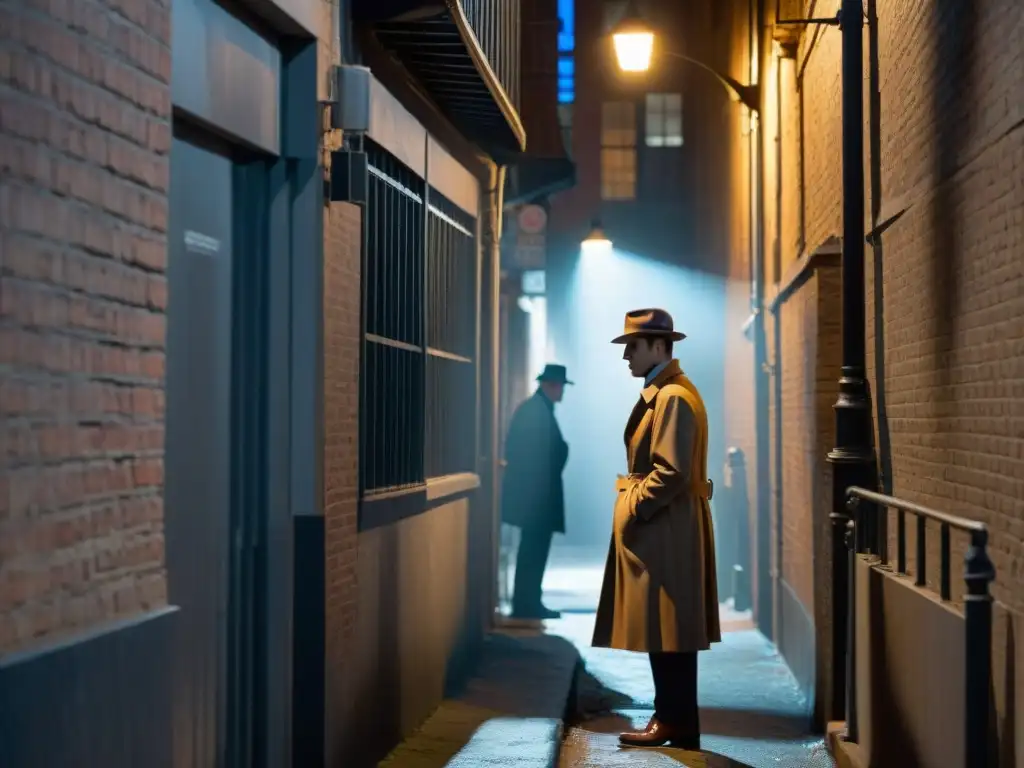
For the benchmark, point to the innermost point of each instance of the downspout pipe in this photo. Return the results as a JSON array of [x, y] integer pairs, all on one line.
[[765, 574], [490, 394]]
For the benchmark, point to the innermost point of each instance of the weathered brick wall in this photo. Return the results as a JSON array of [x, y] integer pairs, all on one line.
[[797, 424], [950, 282], [802, 434], [84, 142], [342, 323], [944, 286]]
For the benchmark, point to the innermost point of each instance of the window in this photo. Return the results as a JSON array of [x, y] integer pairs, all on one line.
[[418, 378], [663, 121], [618, 150], [451, 339]]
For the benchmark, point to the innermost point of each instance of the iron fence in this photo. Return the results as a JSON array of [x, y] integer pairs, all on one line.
[[865, 534], [452, 279], [392, 380]]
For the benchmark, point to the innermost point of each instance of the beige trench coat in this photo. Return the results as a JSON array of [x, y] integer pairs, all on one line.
[[660, 591]]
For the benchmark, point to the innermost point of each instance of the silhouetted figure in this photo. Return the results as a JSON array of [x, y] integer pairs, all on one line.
[[532, 497], [660, 593]]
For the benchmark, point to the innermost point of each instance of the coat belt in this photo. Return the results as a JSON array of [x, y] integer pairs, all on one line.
[[702, 490]]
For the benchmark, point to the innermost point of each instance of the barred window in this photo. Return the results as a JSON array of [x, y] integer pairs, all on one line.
[[452, 265], [418, 383], [392, 380]]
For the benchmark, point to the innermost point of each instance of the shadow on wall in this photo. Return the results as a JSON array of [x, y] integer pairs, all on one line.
[[604, 287], [878, 393], [414, 629]]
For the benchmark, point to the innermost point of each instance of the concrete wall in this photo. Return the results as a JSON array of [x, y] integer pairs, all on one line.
[[909, 690], [411, 603]]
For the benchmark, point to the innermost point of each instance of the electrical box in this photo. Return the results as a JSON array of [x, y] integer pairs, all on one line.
[[350, 179], [350, 110]]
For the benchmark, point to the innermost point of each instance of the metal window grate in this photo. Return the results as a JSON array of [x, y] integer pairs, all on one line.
[[452, 273], [392, 381]]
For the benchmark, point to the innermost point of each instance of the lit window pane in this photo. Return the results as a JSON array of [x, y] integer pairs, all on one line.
[[663, 120]]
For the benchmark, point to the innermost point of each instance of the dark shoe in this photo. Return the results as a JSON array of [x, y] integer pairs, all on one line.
[[536, 614], [658, 734]]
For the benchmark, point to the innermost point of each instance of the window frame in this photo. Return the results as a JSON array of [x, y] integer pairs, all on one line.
[[657, 131], [404, 361]]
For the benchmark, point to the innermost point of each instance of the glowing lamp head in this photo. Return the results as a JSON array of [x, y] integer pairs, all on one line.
[[634, 42], [597, 240]]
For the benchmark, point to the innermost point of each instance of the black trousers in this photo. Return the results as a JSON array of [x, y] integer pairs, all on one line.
[[675, 690], [531, 560]]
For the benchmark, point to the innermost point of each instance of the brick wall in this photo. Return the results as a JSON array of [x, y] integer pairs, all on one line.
[[945, 159], [342, 323], [84, 140]]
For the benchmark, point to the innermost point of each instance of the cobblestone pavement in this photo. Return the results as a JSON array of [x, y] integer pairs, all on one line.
[[752, 713]]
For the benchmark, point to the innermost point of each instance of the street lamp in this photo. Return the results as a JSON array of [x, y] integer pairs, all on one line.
[[633, 40], [596, 240]]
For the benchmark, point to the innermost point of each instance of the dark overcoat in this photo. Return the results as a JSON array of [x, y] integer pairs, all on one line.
[[532, 495]]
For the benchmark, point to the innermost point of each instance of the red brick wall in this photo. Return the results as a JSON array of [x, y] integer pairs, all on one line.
[[943, 315], [342, 303], [84, 139]]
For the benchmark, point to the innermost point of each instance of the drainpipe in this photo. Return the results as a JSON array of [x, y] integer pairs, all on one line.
[[785, 52], [765, 573], [490, 372]]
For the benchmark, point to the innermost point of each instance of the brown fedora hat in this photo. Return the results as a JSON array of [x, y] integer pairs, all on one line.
[[648, 322]]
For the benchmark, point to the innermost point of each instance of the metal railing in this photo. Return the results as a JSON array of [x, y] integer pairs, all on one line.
[[496, 26], [866, 535]]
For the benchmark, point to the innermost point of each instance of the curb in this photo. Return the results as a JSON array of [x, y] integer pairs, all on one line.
[[512, 712]]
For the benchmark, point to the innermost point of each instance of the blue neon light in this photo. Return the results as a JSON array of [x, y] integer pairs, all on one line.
[[567, 26], [566, 44]]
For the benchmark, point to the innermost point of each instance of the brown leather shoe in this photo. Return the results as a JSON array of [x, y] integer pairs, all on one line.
[[658, 734]]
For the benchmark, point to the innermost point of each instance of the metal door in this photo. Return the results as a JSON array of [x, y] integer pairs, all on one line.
[[198, 445]]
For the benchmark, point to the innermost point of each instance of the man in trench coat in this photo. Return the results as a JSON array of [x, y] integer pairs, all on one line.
[[532, 496], [660, 594]]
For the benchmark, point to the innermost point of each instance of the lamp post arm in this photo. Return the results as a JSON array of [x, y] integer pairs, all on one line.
[[748, 95]]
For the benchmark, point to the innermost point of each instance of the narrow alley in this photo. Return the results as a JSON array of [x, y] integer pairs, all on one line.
[[752, 713]]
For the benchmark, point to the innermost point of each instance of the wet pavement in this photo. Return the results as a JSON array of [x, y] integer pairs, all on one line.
[[752, 713]]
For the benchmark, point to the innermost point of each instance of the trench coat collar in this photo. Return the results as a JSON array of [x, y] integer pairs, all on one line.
[[669, 372], [539, 394]]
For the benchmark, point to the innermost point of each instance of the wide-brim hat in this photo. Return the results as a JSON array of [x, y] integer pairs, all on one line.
[[556, 373], [648, 322]]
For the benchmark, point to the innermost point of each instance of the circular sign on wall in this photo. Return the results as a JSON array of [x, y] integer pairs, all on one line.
[[532, 219]]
